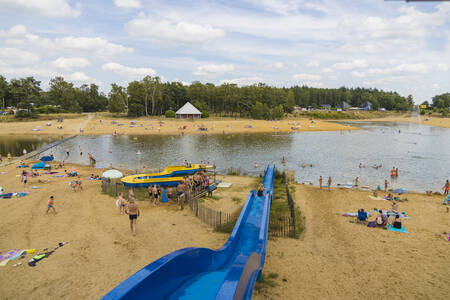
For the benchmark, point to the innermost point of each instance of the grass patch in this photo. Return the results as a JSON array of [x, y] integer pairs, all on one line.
[[266, 282], [213, 197], [236, 200]]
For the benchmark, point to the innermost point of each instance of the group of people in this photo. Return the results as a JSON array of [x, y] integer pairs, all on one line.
[[384, 218], [329, 182], [192, 184]]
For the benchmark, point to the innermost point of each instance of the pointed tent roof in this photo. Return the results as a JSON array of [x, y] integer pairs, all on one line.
[[188, 109]]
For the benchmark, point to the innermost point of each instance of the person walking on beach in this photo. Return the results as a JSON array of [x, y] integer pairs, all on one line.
[[385, 185], [155, 195], [133, 212], [130, 193], [329, 183], [446, 187], [51, 205], [24, 178], [320, 181]]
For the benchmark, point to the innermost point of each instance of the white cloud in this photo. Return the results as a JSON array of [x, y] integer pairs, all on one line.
[[358, 74], [316, 84], [245, 80], [12, 56], [166, 30], [79, 77], [313, 64], [17, 30], [128, 3], [97, 45], [442, 67], [350, 65], [303, 76], [48, 8], [278, 65], [70, 63], [130, 72], [213, 69]]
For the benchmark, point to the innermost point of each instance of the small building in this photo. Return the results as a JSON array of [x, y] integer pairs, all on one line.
[[188, 111], [345, 105], [366, 106]]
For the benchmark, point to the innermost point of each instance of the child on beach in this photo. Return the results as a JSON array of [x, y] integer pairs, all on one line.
[[133, 212], [320, 181], [446, 187], [121, 203], [24, 178], [51, 204]]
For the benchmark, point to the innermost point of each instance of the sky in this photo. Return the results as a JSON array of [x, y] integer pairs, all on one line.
[[398, 46]]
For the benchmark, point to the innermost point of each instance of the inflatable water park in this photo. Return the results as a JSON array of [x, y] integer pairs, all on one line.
[[201, 273], [171, 176]]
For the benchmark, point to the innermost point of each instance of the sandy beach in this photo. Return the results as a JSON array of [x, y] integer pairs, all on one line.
[[336, 259], [432, 121], [99, 125], [101, 251]]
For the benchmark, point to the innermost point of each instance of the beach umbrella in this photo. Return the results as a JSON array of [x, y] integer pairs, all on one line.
[[47, 158], [400, 191], [112, 174], [39, 165]]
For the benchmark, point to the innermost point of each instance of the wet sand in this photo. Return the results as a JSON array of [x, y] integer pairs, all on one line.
[[336, 259]]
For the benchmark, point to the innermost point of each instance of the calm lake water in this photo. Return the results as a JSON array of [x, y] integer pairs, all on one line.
[[422, 153], [15, 144]]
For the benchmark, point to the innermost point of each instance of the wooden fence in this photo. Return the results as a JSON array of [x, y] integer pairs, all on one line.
[[280, 227]]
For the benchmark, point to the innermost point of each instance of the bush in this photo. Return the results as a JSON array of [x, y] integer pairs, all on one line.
[[170, 114], [49, 109], [205, 114], [422, 112], [444, 112], [26, 114]]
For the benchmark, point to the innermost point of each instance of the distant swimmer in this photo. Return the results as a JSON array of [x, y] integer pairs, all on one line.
[[361, 165], [303, 165], [256, 165]]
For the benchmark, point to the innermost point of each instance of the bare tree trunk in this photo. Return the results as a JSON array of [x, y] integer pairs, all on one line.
[[153, 100], [146, 112]]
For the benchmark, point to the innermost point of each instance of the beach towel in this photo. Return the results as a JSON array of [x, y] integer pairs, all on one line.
[[376, 198], [402, 230], [60, 176], [13, 254], [224, 185]]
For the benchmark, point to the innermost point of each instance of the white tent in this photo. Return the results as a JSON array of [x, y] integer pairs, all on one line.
[[112, 174], [188, 111]]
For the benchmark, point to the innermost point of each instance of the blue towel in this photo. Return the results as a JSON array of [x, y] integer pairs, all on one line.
[[402, 230]]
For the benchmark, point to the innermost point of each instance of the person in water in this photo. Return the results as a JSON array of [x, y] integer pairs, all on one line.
[[133, 213]]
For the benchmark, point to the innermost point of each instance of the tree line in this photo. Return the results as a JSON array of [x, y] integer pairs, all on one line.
[[150, 96]]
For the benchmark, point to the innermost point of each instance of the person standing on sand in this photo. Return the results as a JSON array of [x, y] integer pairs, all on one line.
[[51, 204], [385, 185], [130, 193], [24, 151], [180, 191], [329, 183], [320, 181], [150, 193], [446, 187], [155, 195], [133, 212], [121, 203], [356, 181]]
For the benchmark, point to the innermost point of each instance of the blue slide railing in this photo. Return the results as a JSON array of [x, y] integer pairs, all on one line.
[[200, 273]]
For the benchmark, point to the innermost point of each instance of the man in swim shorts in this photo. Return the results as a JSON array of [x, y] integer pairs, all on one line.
[[51, 204], [133, 212]]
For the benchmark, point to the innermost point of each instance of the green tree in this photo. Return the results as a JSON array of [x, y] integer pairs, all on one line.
[[260, 111], [118, 99], [290, 101], [63, 94]]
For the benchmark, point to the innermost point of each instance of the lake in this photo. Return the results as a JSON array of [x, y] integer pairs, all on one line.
[[421, 153], [15, 144]]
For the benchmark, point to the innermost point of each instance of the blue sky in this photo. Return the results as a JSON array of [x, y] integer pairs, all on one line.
[[324, 43]]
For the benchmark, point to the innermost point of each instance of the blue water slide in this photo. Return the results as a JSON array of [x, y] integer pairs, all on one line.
[[200, 273]]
